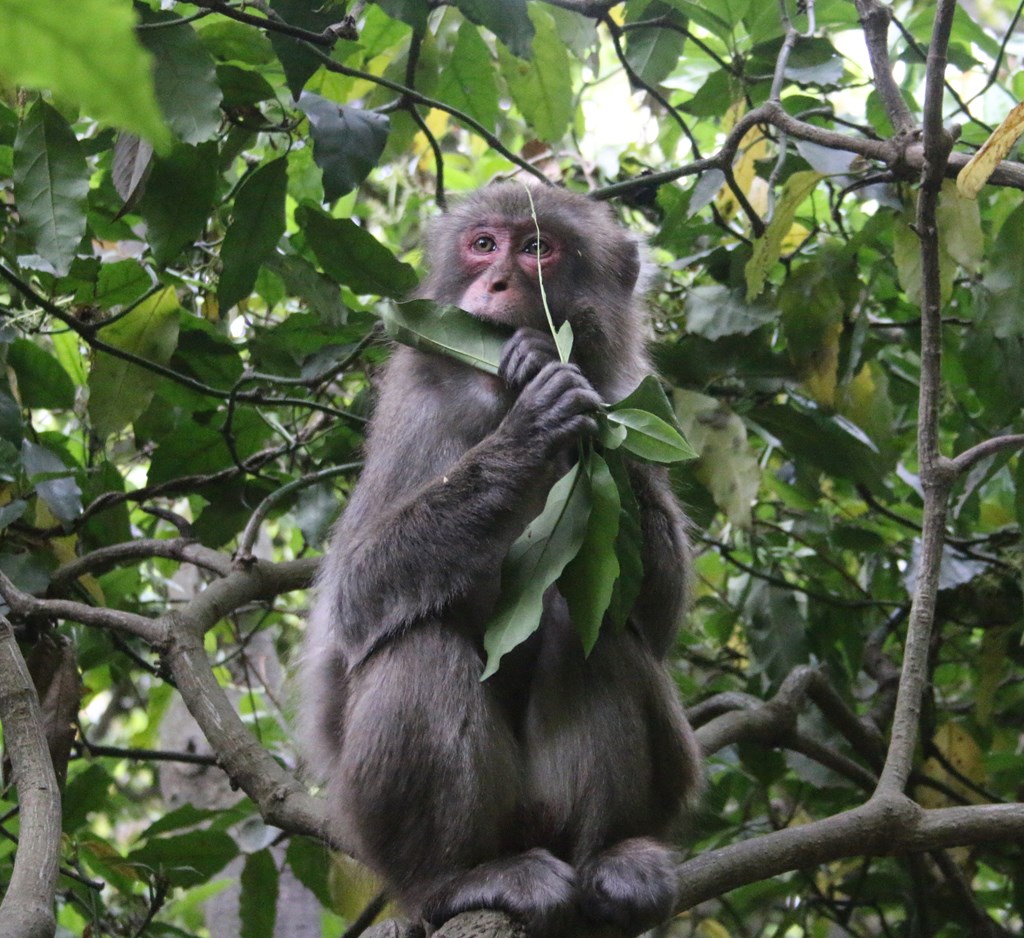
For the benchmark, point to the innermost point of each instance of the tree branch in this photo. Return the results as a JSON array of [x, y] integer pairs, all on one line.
[[969, 458], [106, 558], [281, 800], [27, 907], [935, 470], [884, 826], [874, 20], [27, 607]]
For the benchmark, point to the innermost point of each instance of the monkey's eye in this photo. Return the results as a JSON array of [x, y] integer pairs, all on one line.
[[537, 247], [484, 244]]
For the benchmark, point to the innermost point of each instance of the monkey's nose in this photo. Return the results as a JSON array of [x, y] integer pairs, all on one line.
[[499, 286]]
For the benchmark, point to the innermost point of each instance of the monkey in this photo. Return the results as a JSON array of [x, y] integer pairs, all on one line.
[[547, 790]]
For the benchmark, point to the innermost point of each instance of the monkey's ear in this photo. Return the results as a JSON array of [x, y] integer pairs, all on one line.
[[628, 268]]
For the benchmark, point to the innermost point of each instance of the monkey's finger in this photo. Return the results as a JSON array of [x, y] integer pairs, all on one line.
[[555, 378], [524, 355]]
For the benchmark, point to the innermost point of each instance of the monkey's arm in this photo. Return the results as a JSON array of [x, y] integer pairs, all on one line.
[[664, 595], [403, 554]]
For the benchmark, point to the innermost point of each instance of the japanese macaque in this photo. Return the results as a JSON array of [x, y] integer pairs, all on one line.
[[542, 790]]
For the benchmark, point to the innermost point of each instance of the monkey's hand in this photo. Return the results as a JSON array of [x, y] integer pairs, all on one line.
[[555, 402], [524, 355]]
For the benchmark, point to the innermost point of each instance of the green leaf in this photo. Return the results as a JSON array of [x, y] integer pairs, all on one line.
[[907, 257], [243, 87], [347, 142], [1000, 296], [69, 354], [254, 232], [229, 41], [188, 859], [564, 340], [257, 906], [190, 449], [509, 20], [650, 437], [11, 431], [542, 88], [120, 391], [185, 77], [958, 221], [180, 818], [53, 481], [310, 863], [831, 442], [654, 51], [412, 12], [302, 279], [703, 17], [588, 582], [534, 562], [353, 256], [716, 311], [469, 81], [768, 247], [649, 395], [812, 322], [51, 182], [727, 466], [628, 544], [299, 61], [179, 196], [42, 381], [116, 284], [11, 512], [445, 330], [87, 53]]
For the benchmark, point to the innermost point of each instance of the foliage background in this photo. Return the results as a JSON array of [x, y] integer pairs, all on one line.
[[202, 207]]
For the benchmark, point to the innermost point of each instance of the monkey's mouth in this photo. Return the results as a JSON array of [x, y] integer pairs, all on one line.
[[502, 320]]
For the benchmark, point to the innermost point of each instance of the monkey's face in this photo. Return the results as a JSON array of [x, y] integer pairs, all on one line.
[[503, 264]]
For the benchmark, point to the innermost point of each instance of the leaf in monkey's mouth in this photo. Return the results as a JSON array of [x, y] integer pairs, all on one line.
[[447, 330]]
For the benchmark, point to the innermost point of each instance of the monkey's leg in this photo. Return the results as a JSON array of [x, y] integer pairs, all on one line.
[[535, 887], [615, 775], [633, 885], [430, 781]]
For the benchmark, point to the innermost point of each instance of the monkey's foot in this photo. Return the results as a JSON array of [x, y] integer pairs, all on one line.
[[535, 887], [632, 886]]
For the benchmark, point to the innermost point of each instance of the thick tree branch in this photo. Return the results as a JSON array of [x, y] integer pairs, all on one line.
[[884, 826], [27, 907], [744, 718], [281, 800]]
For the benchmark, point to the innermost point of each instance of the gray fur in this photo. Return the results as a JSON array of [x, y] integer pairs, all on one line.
[[538, 791]]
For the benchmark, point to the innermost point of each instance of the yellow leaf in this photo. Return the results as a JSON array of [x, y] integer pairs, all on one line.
[[753, 147], [437, 123], [768, 247], [992, 666], [821, 371], [980, 166], [712, 928], [963, 756], [352, 887], [65, 549]]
